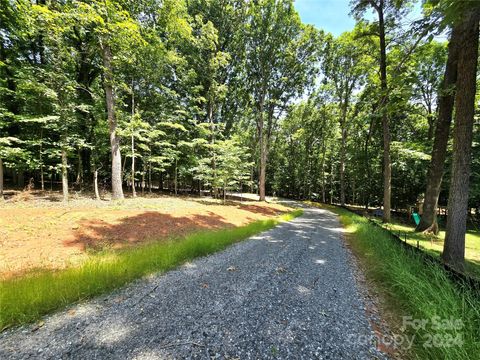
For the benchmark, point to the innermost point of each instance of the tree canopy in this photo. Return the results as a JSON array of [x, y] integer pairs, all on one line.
[[228, 95]]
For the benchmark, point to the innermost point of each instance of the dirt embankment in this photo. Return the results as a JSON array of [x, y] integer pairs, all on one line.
[[50, 234]]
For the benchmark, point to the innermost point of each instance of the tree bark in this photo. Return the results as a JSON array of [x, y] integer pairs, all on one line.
[[331, 182], [175, 178], [143, 180], [1, 179], [387, 165], [117, 191], [95, 184], [342, 153], [42, 177], [150, 177], [263, 168], [454, 246], [262, 148], [64, 175], [212, 142], [323, 176], [79, 180], [134, 193], [446, 98], [431, 124]]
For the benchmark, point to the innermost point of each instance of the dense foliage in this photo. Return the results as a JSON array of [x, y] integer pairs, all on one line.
[[218, 95], [151, 90]]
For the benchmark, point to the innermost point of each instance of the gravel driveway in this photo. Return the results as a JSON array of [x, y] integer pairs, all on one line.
[[288, 293]]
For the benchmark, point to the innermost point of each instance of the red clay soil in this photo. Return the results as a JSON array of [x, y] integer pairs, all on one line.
[[46, 235]]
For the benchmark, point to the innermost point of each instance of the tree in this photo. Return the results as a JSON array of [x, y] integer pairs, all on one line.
[[304, 147], [136, 129], [427, 70], [58, 83], [113, 27], [281, 54], [8, 151], [446, 97], [117, 191], [233, 167], [210, 63], [12, 29], [345, 68], [454, 246], [386, 11], [231, 170]]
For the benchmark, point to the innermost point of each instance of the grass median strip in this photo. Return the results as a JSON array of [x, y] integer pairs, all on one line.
[[27, 298], [442, 318]]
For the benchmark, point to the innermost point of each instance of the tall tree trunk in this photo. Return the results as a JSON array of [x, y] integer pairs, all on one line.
[[331, 182], [64, 175], [367, 178], [342, 153], [212, 142], [454, 246], [175, 178], [323, 173], [263, 168], [79, 179], [117, 191], [143, 180], [95, 184], [42, 177], [134, 193], [387, 165], [263, 150], [1, 179], [149, 177], [446, 97]]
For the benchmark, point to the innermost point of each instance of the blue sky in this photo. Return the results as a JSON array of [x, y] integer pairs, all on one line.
[[330, 15], [333, 15]]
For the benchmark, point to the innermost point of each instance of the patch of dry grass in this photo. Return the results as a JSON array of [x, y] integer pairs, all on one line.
[[46, 233]]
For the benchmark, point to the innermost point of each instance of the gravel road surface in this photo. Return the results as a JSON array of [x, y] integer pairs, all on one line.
[[288, 293]]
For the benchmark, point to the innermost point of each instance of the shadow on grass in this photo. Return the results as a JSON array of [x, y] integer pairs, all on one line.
[[96, 234], [27, 298]]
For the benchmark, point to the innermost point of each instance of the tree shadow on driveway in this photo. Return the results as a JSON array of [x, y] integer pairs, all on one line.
[[250, 206]]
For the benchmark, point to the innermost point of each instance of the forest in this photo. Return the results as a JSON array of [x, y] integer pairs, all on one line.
[[113, 98]]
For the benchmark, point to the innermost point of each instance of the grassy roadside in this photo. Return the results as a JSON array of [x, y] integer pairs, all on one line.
[[27, 298], [409, 287], [434, 244]]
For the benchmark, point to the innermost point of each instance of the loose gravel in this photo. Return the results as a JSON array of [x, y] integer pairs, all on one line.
[[288, 293]]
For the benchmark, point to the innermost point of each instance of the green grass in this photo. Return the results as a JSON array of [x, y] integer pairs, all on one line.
[[410, 287], [434, 244], [27, 298]]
